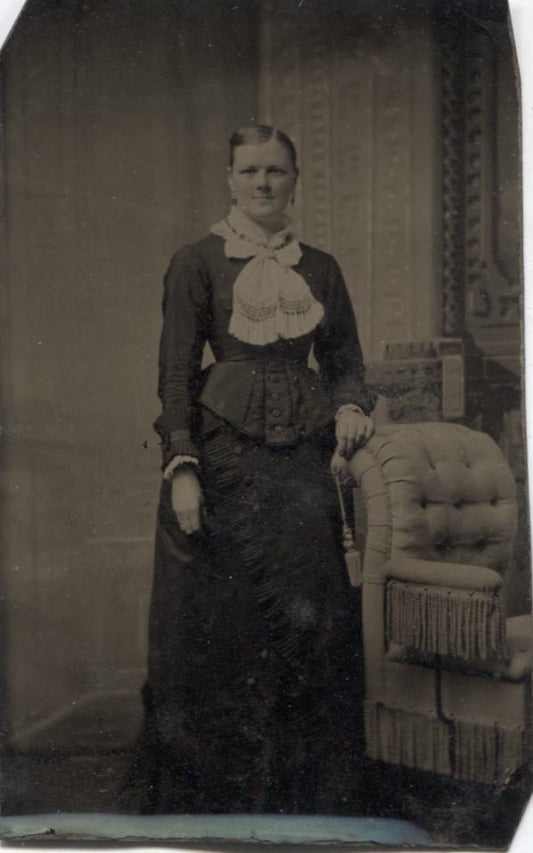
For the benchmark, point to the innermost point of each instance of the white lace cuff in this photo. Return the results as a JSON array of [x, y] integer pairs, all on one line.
[[174, 463]]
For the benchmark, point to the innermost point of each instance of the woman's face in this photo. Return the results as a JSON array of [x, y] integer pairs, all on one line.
[[263, 180]]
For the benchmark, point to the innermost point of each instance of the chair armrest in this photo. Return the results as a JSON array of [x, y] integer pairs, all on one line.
[[434, 573]]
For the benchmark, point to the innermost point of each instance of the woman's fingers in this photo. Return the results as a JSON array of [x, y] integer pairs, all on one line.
[[351, 442], [361, 432], [352, 431], [189, 521], [336, 463], [187, 499], [346, 433], [369, 428], [195, 518], [184, 521], [339, 467], [341, 444], [189, 517]]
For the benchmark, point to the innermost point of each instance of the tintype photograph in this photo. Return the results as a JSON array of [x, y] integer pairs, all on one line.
[[265, 556]]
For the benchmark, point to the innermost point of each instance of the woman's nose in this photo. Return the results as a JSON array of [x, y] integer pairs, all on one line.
[[263, 179]]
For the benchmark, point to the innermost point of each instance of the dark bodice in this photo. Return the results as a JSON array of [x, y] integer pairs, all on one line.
[[264, 391]]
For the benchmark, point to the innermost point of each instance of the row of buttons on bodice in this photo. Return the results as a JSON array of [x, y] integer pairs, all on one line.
[[279, 403]]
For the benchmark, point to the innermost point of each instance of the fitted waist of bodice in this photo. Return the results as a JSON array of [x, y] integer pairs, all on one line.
[[278, 398], [268, 356], [226, 348]]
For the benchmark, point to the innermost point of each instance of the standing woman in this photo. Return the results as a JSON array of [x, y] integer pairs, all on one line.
[[252, 702]]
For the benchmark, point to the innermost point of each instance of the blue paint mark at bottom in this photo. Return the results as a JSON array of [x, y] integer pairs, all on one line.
[[279, 829]]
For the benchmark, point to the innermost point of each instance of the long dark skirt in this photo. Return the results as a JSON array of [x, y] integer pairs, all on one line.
[[255, 676]]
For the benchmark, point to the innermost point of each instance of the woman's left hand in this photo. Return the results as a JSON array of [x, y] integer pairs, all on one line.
[[352, 430]]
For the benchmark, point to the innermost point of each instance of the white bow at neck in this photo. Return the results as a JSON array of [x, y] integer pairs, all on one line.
[[270, 300]]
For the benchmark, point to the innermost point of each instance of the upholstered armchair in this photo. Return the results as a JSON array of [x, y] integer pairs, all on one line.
[[447, 675]]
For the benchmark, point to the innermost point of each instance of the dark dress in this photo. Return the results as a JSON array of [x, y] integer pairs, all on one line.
[[252, 702]]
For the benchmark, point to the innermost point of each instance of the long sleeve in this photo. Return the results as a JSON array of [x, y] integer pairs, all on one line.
[[185, 309], [337, 348]]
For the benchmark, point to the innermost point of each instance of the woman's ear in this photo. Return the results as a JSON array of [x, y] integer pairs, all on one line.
[[295, 182], [230, 177]]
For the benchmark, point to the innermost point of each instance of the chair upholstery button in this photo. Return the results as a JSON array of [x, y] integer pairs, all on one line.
[[458, 504], [423, 503], [494, 501], [274, 395], [278, 428], [276, 413]]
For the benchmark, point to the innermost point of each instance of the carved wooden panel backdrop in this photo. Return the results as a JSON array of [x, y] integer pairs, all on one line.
[[482, 276], [481, 200]]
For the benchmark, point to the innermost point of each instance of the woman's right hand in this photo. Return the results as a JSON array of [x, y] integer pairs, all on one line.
[[187, 499]]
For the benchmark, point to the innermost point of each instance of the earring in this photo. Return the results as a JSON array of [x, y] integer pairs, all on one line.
[[233, 196]]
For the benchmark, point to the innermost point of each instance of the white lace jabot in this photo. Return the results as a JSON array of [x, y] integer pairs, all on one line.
[[270, 299]]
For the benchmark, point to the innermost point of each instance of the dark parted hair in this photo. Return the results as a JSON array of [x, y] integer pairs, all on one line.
[[261, 133]]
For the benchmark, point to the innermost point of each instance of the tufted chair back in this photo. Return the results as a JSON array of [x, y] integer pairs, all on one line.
[[446, 674], [437, 491]]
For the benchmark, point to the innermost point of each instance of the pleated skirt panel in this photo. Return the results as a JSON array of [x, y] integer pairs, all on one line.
[[254, 690]]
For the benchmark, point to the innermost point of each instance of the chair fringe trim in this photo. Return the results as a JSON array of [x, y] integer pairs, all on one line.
[[462, 623], [397, 736], [487, 754]]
